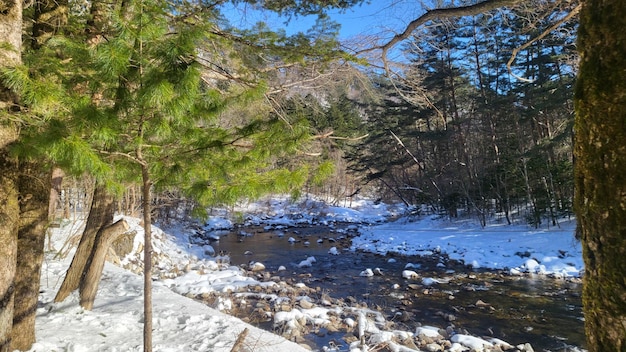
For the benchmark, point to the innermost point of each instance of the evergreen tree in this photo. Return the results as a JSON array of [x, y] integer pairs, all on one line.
[[147, 102]]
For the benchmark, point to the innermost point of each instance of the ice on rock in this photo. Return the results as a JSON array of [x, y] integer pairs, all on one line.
[[428, 281], [409, 274], [474, 343], [367, 273]]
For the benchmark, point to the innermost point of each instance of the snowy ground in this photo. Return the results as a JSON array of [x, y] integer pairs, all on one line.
[[181, 324], [518, 248]]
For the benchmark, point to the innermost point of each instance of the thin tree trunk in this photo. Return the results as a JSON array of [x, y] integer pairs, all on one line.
[[34, 187], [91, 279], [100, 215], [600, 164], [147, 257], [66, 204], [56, 182]]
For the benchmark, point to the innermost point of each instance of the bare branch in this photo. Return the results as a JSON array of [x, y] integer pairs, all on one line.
[[352, 139], [569, 16], [449, 12]]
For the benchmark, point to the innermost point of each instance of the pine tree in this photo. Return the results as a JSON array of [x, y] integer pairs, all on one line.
[[151, 105]]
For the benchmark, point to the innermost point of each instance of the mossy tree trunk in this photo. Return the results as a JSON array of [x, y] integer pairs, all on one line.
[[600, 170]]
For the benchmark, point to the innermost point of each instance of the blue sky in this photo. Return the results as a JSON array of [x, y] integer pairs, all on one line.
[[379, 18]]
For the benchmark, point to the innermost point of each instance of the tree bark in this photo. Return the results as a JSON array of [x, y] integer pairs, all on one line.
[[147, 257], [91, 279], [100, 215], [56, 183], [9, 217], [34, 189], [10, 34], [600, 164]]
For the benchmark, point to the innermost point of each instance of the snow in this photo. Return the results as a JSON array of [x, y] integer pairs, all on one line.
[[116, 321], [182, 324], [367, 273], [429, 331], [475, 343], [519, 248], [409, 274]]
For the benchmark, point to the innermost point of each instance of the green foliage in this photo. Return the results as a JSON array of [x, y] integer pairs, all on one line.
[[148, 95], [304, 7], [323, 172]]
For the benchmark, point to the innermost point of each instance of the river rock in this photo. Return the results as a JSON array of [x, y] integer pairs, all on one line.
[[367, 273], [481, 304], [408, 342], [525, 347], [403, 316], [256, 266], [284, 307], [306, 304], [433, 347], [410, 274]]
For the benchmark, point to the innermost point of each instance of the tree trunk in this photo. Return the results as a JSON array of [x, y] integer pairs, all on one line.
[[34, 189], [11, 35], [147, 257], [56, 182], [600, 164], [100, 215], [91, 279], [9, 217]]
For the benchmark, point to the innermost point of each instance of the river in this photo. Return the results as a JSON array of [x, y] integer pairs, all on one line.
[[542, 311]]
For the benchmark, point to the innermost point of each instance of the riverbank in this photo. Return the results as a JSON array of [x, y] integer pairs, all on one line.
[[188, 263]]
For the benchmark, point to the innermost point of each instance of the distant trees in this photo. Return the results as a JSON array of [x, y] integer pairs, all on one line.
[[461, 133]]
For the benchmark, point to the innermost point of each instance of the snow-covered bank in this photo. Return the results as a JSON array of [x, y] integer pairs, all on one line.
[[116, 321], [518, 248]]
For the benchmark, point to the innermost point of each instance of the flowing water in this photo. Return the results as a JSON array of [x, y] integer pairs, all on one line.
[[543, 311]]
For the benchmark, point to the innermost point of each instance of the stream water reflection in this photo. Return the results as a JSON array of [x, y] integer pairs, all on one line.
[[545, 312]]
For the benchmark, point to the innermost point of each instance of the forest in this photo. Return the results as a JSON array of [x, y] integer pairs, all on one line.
[[150, 105]]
